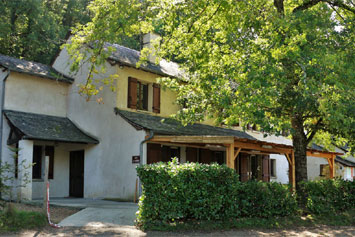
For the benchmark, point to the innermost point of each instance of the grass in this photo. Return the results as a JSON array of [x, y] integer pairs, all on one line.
[[333, 219], [14, 220]]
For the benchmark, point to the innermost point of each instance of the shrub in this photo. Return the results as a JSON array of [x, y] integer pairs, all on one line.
[[260, 199], [327, 196], [193, 191]]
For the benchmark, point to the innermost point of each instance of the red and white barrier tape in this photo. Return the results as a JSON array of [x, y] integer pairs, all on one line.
[[48, 213]]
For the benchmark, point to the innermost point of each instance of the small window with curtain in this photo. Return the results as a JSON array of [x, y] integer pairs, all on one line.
[[37, 161]]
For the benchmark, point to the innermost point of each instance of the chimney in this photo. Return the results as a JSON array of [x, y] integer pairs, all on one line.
[[148, 42]]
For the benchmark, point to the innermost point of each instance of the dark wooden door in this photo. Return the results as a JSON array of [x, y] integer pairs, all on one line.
[[266, 168], [76, 174], [191, 154], [154, 153], [244, 167]]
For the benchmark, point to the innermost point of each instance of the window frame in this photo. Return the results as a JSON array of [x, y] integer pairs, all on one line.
[[273, 172]]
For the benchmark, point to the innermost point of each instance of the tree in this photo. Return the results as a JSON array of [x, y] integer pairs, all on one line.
[[282, 64], [35, 29]]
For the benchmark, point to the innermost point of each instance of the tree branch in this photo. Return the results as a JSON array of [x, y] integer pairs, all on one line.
[[311, 3], [315, 130], [340, 4]]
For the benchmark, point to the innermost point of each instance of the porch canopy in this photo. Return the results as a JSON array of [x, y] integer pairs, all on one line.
[[30, 126], [170, 131]]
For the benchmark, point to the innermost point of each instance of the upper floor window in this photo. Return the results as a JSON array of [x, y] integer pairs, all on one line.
[[141, 95]]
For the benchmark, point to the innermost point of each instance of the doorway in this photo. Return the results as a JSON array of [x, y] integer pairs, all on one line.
[[76, 174]]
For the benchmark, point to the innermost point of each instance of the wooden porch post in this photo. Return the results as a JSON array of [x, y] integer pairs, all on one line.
[[292, 170], [331, 166], [230, 155]]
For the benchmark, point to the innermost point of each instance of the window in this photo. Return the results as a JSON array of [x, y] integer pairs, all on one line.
[[138, 95], [37, 160], [273, 167], [322, 170], [142, 96]]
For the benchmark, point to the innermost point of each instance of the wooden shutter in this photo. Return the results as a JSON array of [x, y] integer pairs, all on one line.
[[49, 151], [154, 153], [156, 98], [266, 168], [132, 93], [244, 168], [191, 154]]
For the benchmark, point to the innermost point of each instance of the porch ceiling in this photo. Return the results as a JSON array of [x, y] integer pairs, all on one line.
[[44, 127], [246, 145]]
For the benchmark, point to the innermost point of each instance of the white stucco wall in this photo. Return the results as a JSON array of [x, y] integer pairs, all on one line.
[[25, 169], [59, 185], [313, 167], [34, 94], [109, 172]]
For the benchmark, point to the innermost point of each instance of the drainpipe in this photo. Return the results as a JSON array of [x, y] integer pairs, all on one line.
[[1, 112], [151, 135]]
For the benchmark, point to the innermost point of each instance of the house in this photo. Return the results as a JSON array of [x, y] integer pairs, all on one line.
[[344, 166], [34, 120], [94, 148]]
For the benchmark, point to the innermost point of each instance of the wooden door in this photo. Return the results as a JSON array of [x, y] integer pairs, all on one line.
[[154, 153], [266, 168], [191, 154], [206, 156], [244, 167], [76, 174]]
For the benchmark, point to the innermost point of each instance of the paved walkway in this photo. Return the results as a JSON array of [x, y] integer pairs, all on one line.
[[97, 213]]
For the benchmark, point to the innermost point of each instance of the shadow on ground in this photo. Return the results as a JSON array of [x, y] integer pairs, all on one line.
[[132, 231]]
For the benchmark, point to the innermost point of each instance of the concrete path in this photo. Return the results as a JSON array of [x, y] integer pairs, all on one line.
[[102, 217], [97, 213]]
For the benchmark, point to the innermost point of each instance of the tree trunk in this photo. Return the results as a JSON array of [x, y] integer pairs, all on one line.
[[299, 141]]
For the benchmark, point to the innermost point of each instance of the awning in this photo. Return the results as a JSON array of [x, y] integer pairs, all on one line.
[[30, 126], [168, 126]]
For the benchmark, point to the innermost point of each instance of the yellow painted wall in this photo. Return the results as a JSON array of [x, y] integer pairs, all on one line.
[[168, 104], [167, 97]]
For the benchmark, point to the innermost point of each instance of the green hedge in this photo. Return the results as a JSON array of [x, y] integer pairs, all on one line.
[[193, 191], [327, 196]]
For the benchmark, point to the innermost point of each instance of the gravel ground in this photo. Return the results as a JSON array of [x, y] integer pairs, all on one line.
[[131, 231]]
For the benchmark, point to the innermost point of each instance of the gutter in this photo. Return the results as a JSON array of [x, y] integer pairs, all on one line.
[[151, 135], [1, 113]]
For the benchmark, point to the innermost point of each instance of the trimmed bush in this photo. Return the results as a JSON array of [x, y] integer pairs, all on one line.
[[193, 191], [327, 196]]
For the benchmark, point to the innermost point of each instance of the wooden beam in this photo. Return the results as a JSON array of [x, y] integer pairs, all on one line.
[[195, 139], [259, 147], [320, 154], [237, 153], [288, 158]]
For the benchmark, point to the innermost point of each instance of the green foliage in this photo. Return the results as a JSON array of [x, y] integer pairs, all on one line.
[[34, 29], [261, 199], [327, 196], [13, 220], [193, 191]]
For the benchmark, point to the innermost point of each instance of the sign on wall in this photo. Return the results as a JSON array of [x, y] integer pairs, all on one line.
[[136, 159]]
